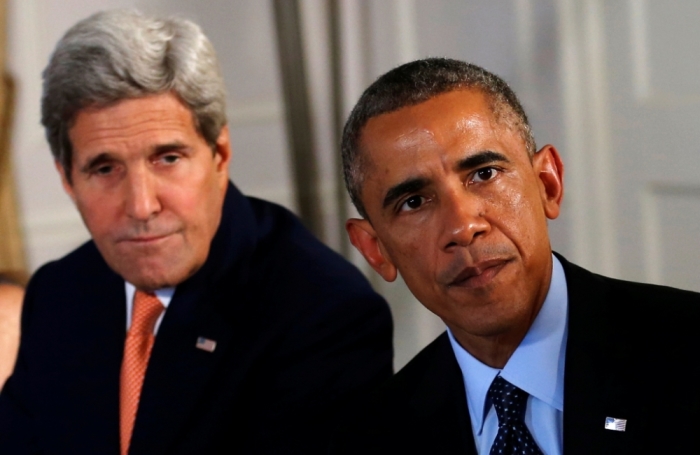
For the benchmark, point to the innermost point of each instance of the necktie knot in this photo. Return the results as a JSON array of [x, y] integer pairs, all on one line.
[[508, 400], [513, 436], [146, 310]]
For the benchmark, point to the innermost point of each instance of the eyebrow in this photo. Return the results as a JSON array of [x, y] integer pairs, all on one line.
[[481, 158], [103, 157], [170, 147], [415, 184]]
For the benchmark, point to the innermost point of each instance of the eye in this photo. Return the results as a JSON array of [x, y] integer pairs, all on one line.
[[484, 174], [103, 170], [102, 166], [412, 203], [170, 158]]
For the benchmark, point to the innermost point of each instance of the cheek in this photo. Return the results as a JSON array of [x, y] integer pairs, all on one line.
[[413, 246], [514, 209], [99, 214], [522, 219], [414, 261], [200, 211], [406, 247], [187, 195]]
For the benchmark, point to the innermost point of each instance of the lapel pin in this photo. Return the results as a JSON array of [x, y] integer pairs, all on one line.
[[614, 424], [205, 344]]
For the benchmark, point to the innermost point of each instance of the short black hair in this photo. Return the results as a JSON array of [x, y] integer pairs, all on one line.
[[413, 83]]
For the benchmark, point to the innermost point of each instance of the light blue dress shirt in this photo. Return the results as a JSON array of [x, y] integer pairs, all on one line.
[[536, 366]]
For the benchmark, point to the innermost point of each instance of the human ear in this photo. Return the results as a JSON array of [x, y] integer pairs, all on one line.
[[222, 151], [549, 169], [67, 186], [364, 238]]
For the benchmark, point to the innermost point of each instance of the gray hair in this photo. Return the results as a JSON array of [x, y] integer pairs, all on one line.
[[414, 83], [123, 54]]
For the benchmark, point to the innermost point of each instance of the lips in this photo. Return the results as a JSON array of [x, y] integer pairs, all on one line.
[[144, 239], [478, 275], [146, 233]]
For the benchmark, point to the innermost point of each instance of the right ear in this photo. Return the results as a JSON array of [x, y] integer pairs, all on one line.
[[364, 238], [67, 186]]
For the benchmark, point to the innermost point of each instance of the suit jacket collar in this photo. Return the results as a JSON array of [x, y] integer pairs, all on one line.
[[439, 402], [595, 384]]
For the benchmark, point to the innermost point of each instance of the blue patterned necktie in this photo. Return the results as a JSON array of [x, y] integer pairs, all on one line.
[[513, 436]]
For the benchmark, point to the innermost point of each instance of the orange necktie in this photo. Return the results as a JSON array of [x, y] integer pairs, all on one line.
[[137, 349]]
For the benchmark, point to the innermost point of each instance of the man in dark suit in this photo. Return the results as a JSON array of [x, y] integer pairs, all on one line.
[[540, 356], [197, 320]]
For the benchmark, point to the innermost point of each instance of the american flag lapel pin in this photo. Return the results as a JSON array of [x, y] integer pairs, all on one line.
[[611, 423], [205, 344]]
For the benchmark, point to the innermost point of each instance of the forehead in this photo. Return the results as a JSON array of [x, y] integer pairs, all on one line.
[[444, 112], [446, 126], [136, 121]]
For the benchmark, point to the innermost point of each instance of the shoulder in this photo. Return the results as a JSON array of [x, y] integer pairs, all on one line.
[[436, 359], [82, 263], [277, 226], [287, 253], [270, 245], [650, 325], [60, 286], [420, 409], [410, 390], [630, 296], [308, 294], [82, 270]]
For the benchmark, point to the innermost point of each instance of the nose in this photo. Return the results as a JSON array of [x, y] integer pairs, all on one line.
[[463, 219], [142, 201]]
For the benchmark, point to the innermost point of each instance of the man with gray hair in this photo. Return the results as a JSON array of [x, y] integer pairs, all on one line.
[[540, 356], [197, 320]]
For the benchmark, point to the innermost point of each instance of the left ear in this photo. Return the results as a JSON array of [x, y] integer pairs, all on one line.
[[222, 152], [549, 170], [364, 238]]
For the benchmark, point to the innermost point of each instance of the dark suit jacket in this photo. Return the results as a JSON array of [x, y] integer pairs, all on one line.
[[299, 334], [632, 353]]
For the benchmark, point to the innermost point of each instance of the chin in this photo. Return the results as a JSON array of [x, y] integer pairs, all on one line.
[[150, 278], [155, 271]]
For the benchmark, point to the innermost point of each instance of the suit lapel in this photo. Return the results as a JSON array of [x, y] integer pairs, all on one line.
[[96, 347], [178, 371], [595, 383], [440, 404]]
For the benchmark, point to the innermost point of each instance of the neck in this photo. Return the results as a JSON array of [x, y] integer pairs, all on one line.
[[494, 350], [497, 346]]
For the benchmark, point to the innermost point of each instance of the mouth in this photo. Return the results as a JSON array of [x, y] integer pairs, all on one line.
[[145, 239], [478, 275]]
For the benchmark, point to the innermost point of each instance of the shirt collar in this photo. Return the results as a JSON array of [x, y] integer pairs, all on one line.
[[165, 295], [536, 366]]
